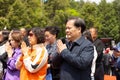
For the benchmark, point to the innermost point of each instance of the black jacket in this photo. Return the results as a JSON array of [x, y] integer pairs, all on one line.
[[3, 59], [77, 61]]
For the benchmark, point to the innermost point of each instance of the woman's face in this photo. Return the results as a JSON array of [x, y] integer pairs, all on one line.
[[49, 38], [13, 43], [32, 38]]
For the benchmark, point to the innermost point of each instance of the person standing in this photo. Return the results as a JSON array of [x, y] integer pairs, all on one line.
[[99, 73], [3, 55], [33, 62], [13, 51], [24, 33], [51, 34], [88, 36], [116, 57], [77, 53]]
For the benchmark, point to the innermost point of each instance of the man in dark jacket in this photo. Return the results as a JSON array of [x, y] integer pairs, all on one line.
[[99, 73], [77, 53]]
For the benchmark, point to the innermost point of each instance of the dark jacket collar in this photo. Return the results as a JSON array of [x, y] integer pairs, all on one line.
[[80, 40]]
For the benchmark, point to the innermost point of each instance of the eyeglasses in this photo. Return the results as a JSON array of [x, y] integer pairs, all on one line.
[[30, 34]]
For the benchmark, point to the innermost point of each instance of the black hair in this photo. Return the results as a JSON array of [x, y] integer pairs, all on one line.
[[39, 33], [54, 30], [78, 23], [87, 34], [5, 34]]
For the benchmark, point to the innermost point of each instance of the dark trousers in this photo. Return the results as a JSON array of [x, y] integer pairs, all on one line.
[[117, 73], [99, 72], [55, 74]]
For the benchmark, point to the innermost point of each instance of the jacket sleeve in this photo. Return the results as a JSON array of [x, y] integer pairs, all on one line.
[[56, 61], [39, 61], [80, 60], [3, 59], [12, 61]]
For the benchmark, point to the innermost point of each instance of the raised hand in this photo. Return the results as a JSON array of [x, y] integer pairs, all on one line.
[[60, 46], [24, 48]]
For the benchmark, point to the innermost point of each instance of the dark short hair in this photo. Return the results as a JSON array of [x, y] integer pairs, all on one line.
[[54, 30], [87, 34], [5, 34], [78, 23], [39, 33]]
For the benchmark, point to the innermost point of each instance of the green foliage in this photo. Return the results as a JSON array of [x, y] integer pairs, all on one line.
[[16, 14], [72, 12], [4, 7], [3, 23], [89, 13], [108, 20], [30, 13]]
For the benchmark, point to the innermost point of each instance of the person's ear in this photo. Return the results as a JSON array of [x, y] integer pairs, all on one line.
[[79, 29]]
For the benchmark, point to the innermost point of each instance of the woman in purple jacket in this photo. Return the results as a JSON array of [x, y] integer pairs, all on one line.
[[13, 51]]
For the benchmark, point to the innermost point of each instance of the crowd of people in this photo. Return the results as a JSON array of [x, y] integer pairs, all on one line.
[[38, 54]]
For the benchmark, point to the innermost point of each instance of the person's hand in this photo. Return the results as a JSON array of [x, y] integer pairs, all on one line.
[[18, 64], [8, 49], [60, 46], [48, 65], [116, 53], [24, 48]]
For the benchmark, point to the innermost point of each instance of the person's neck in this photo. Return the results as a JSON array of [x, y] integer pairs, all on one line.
[[94, 39], [76, 39], [53, 42]]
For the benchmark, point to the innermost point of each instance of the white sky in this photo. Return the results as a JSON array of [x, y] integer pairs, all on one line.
[[97, 1]]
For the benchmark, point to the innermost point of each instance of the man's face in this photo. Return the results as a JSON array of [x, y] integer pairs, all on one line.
[[23, 31], [93, 33], [72, 33]]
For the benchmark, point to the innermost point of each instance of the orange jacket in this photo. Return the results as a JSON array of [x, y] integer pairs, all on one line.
[[34, 64]]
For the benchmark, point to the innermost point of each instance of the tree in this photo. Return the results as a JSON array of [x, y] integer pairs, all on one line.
[[116, 6], [53, 5], [25, 13], [55, 10], [108, 19], [89, 13], [4, 7], [3, 22], [41, 13], [16, 15]]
